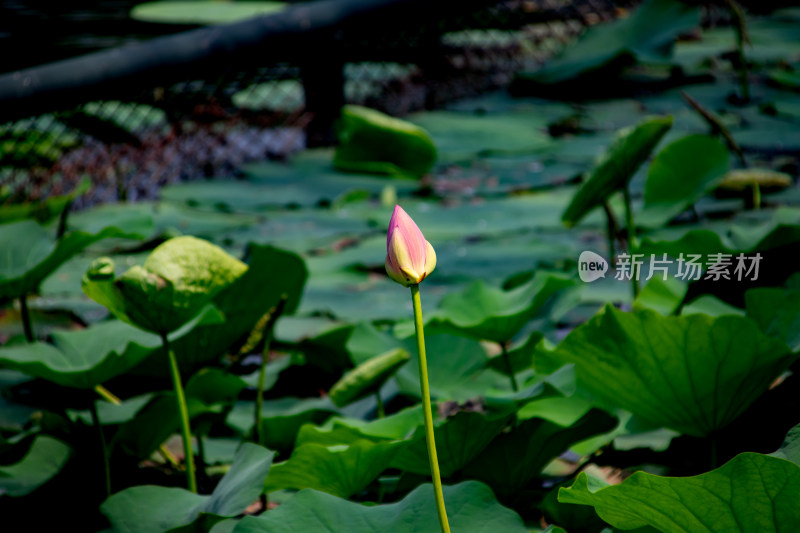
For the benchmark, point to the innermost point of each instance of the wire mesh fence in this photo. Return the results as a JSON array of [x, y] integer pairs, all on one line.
[[250, 109]]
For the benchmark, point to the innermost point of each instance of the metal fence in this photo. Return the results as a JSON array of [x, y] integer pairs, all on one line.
[[202, 103]]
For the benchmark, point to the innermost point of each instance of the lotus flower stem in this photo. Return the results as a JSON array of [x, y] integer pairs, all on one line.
[[103, 445], [631, 228], [742, 38], [258, 434], [611, 230], [756, 196], [509, 367], [268, 325], [107, 395], [379, 400], [26, 318], [184, 413], [426, 409]]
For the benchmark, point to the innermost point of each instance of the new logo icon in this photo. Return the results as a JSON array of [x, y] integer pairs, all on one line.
[[591, 266]]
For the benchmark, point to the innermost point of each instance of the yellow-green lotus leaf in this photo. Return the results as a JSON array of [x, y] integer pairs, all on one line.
[[739, 180], [375, 143], [176, 281]]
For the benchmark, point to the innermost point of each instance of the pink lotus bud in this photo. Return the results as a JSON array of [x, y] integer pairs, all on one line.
[[409, 257]]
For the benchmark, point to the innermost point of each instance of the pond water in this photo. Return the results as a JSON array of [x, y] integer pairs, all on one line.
[[33, 32]]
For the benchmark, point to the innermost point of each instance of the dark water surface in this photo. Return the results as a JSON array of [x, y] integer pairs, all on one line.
[[33, 32]]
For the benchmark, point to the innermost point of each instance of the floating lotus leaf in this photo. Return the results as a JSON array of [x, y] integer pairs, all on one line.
[[741, 179]]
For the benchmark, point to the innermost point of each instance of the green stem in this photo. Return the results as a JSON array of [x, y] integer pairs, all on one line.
[[258, 435], [611, 230], [426, 410], [62, 220], [509, 367], [269, 324], [631, 229], [756, 196], [26, 317], [183, 410], [103, 446], [742, 38], [107, 395], [381, 410]]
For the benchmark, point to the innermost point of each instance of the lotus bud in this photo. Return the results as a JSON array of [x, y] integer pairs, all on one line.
[[409, 257]]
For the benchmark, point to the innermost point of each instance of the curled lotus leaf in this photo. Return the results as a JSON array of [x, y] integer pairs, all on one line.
[[367, 377], [374, 143], [176, 281]]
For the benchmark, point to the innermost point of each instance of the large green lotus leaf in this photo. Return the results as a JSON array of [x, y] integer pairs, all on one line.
[[44, 459], [790, 449], [456, 369], [214, 385], [315, 168], [366, 341], [281, 418], [777, 313], [202, 12], [83, 358], [112, 414], [484, 312], [459, 439], [307, 180], [647, 35], [341, 470], [152, 509], [461, 137], [30, 254], [368, 377], [711, 306], [680, 173], [471, 506], [514, 459], [662, 295], [161, 218], [397, 426], [177, 280], [693, 374], [751, 492], [271, 274], [616, 167], [375, 143], [88, 357]]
